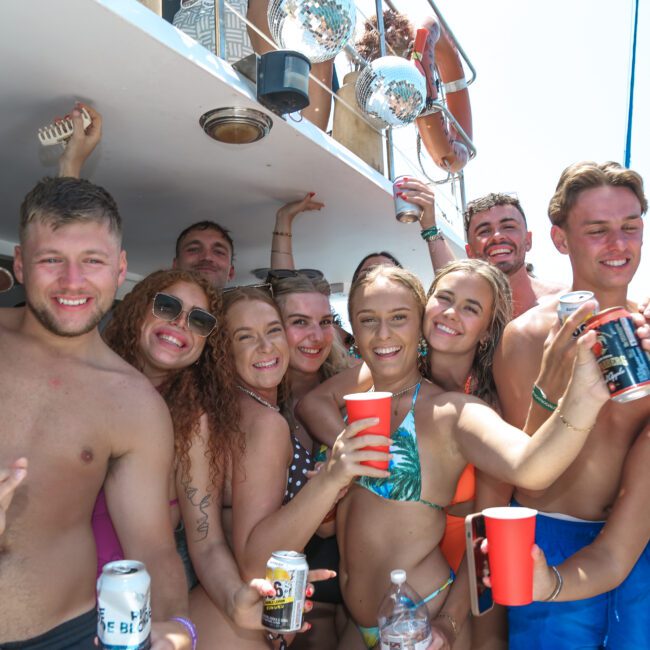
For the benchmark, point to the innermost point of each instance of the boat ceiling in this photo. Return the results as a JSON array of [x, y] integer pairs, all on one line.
[[152, 83]]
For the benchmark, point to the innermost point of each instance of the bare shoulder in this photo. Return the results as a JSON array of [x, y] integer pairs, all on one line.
[[137, 404], [543, 289], [532, 326], [261, 424]]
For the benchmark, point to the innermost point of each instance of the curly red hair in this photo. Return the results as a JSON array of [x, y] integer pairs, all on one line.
[[207, 386]]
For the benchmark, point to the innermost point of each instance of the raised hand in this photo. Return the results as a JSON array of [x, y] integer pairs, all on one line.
[[287, 213], [82, 143], [420, 194]]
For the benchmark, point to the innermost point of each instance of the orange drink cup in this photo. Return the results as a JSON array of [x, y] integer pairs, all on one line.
[[511, 535], [371, 405]]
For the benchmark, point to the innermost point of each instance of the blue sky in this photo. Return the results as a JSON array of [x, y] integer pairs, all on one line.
[[552, 88]]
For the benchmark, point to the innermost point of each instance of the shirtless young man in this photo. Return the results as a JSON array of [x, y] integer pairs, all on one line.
[[496, 231], [82, 417], [596, 214]]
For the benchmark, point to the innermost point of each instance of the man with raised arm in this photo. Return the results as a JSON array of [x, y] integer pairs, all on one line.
[[596, 213], [496, 231], [82, 417]]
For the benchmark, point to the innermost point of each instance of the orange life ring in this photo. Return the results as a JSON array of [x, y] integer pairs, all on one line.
[[433, 46]]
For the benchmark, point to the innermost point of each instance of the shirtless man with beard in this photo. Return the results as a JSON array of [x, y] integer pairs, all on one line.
[[496, 231], [82, 417], [596, 214]]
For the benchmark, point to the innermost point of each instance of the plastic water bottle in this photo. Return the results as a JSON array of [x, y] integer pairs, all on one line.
[[403, 617]]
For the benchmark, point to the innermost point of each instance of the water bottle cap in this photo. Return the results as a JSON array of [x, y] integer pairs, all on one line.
[[398, 576]]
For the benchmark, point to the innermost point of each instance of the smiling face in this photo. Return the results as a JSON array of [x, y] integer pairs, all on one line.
[[208, 253], [259, 345], [310, 331], [170, 345], [458, 314], [386, 324], [602, 236], [70, 274], [499, 236]]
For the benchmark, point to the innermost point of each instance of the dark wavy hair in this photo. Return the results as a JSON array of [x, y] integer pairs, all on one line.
[[205, 387]]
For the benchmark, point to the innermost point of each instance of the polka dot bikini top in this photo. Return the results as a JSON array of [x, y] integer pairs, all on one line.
[[300, 463]]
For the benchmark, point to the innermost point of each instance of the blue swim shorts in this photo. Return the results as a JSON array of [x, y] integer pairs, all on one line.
[[618, 619]]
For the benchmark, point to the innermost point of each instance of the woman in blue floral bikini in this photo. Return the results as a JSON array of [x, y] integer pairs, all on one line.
[[399, 521]]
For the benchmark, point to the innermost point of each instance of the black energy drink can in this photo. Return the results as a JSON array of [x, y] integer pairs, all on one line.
[[287, 571], [624, 363]]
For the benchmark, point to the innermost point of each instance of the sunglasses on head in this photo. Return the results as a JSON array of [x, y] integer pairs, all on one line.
[[169, 308], [266, 286], [281, 274]]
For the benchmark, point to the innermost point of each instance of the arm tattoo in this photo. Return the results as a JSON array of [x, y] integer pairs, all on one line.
[[203, 503]]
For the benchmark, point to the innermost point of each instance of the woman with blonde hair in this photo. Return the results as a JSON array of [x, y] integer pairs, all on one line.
[[315, 354], [399, 521]]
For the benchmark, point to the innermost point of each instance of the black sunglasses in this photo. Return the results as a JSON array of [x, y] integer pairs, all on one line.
[[169, 308], [281, 274]]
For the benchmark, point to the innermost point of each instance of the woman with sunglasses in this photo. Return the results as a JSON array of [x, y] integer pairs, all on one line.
[[167, 328], [399, 522], [273, 506]]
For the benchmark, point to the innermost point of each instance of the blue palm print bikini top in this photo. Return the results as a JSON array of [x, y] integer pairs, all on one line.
[[405, 480]]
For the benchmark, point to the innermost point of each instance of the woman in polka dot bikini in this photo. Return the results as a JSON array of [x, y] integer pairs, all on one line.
[[272, 507]]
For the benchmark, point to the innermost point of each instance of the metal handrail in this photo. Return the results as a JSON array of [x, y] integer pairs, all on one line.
[[461, 51], [437, 106]]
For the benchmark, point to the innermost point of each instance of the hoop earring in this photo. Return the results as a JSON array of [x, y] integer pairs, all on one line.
[[423, 347], [483, 346]]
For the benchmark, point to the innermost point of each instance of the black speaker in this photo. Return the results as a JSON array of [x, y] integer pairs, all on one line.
[[283, 81]]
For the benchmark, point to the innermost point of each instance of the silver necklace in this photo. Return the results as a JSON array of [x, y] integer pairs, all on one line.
[[399, 392], [258, 398]]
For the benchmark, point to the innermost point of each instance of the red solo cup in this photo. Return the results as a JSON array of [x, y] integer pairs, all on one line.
[[511, 535], [371, 405]]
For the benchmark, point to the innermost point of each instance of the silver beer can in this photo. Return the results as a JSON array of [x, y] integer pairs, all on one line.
[[124, 606], [405, 212], [570, 302], [287, 572]]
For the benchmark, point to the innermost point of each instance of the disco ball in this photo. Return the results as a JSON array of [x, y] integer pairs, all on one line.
[[391, 91], [319, 29]]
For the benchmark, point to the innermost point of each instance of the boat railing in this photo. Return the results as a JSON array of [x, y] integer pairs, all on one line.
[[433, 107]]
